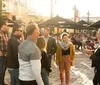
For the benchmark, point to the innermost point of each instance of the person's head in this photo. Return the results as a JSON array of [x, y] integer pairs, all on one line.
[[65, 37], [32, 31], [4, 26], [13, 18], [18, 30], [41, 43], [46, 31], [98, 35]]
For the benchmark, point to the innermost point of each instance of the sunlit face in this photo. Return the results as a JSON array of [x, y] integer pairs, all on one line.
[[46, 32], [5, 28], [20, 31], [65, 38], [36, 33], [98, 35]]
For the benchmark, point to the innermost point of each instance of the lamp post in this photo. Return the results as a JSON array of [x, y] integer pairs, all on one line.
[[75, 16], [51, 13], [75, 13], [51, 8], [88, 16]]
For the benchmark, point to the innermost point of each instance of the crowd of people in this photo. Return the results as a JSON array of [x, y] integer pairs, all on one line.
[[28, 61], [84, 40]]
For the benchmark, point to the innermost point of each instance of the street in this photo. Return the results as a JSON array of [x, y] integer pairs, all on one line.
[[81, 72]]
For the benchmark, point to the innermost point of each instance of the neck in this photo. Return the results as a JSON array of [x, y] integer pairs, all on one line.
[[32, 38], [16, 35], [46, 36]]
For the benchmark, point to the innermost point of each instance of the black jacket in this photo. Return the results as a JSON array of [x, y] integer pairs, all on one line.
[[44, 61], [96, 58], [12, 59]]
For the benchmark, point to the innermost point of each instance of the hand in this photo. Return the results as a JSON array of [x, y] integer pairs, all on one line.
[[22, 37], [72, 63]]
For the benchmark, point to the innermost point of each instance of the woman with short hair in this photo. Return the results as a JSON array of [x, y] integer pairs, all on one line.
[[65, 56]]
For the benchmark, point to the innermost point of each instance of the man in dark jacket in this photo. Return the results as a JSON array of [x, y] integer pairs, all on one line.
[[50, 44], [12, 59], [96, 62]]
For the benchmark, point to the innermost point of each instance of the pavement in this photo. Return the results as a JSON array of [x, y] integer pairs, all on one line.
[[81, 72]]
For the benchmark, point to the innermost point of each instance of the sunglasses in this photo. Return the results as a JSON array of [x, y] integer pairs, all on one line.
[[20, 30]]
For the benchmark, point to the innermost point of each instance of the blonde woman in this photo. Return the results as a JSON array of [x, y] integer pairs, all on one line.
[[45, 69], [65, 56]]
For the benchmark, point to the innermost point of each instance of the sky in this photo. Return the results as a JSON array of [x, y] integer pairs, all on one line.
[[64, 8]]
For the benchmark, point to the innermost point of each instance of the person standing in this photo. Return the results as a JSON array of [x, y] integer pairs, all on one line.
[[30, 58], [50, 44], [44, 61], [3, 50], [65, 55], [96, 61], [12, 58]]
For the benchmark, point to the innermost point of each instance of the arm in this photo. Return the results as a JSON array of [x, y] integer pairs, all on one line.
[[72, 53], [58, 54], [1, 45], [36, 65], [22, 38], [36, 68]]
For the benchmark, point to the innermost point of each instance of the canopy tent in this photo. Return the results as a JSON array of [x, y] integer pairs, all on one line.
[[12, 23], [82, 24], [58, 22], [95, 25]]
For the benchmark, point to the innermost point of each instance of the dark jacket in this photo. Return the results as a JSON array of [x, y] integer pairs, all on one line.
[[12, 59], [96, 58], [44, 61], [51, 46]]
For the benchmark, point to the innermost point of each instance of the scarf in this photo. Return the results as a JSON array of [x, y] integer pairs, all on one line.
[[64, 46]]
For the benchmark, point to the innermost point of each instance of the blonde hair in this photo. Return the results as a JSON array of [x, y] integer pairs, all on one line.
[[41, 43], [30, 28]]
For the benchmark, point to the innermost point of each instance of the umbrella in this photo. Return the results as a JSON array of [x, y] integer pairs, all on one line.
[[56, 21], [12, 23], [82, 24], [19, 22], [96, 24]]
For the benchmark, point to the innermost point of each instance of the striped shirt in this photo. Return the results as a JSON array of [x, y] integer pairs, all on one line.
[[3, 41]]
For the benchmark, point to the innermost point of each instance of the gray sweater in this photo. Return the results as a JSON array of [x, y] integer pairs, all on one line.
[[30, 62]]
